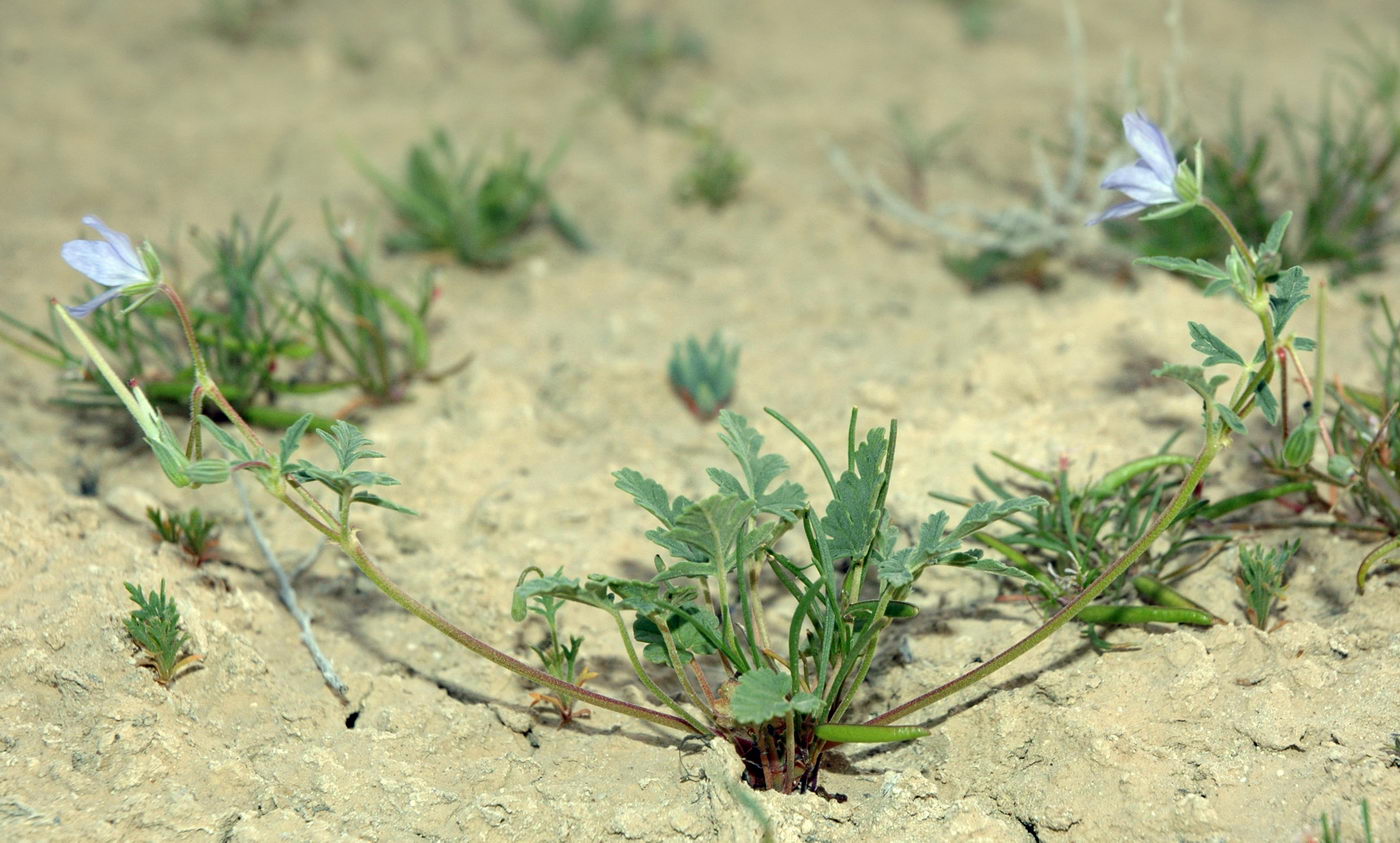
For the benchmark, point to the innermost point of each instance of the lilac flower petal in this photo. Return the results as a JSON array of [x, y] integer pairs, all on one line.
[[101, 262], [1121, 210], [1152, 144], [1140, 183], [119, 241], [89, 306]]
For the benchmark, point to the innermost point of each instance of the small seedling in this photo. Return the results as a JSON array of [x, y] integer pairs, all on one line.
[[703, 376], [974, 18], [1263, 571], [155, 625], [559, 660], [196, 535], [477, 214], [716, 173], [366, 333]]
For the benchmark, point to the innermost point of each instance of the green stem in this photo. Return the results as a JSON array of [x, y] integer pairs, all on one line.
[[1215, 442], [1229, 226], [352, 547]]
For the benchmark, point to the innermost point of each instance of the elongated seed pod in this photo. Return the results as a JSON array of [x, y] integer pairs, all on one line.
[[846, 733]]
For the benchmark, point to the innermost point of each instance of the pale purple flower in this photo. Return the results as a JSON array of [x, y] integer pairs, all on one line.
[[111, 262], [1152, 179]]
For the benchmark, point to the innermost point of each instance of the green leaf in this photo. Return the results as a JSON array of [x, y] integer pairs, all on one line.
[[1192, 376], [762, 695], [1287, 293], [899, 569], [976, 561], [234, 446], [683, 622], [711, 527], [759, 470], [1274, 241], [1215, 349], [1230, 418], [983, 513], [1304, 344], [852, 517], [1268, 404], [563, 588], [349, 444], [1200, 268], [291, 440], [376, 500], [649, 495]]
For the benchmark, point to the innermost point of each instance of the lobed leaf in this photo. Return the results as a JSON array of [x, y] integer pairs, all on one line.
[[763, 695], [1215, 349]]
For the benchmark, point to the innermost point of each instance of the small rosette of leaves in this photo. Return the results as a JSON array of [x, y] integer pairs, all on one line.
[[192, 532], [155, 626], [716, 172], [703, 375], [476, 213], [1262, 576]]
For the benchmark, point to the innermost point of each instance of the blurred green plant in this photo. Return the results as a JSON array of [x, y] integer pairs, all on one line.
[[716, 172], [191, 531], [570, 28], [1332, 830], [476, 213], [703, 376], [155, 626]]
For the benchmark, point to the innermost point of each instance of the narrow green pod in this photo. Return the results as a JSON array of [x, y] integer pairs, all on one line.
[[1129, 615], [1123, 473], [1210, 512], [837, 733], [1372, 559], [1158, 593]]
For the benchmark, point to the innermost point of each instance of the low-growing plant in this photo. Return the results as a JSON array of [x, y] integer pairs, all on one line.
[[192, 532], [1068, 544], [1332, 829], [716, 172], [703, 376], [474, 212], [1355, 475], [918, 150], [267, 336], [1263, 571], [155, 625], [559, 659], [366, 334], [785, 693]]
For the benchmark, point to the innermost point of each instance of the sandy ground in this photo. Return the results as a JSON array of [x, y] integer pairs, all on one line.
[[135, 112]]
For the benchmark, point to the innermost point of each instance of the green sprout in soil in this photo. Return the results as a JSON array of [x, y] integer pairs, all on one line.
[[1263, 571], [716, 172], [475, 212], [703, 376], [368, 334], [781, 686], [155, 626], [192, 532], [560, 660]]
